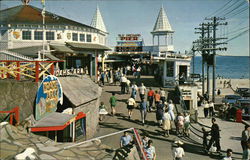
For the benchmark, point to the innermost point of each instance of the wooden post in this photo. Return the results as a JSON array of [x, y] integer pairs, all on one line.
[[7, 68], [11, 118], [52, 69], [18, 77], [37, 71]]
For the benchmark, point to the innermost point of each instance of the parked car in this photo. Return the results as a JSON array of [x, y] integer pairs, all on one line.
[[244, 92], [231, 99]]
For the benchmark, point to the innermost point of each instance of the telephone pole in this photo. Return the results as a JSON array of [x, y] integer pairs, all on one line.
[[206, 45]]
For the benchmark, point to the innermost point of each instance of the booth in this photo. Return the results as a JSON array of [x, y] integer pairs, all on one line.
[[62, 127]]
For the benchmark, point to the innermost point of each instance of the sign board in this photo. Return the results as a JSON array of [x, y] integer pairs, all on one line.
[[129, 37], [195, 75], [48, 95]]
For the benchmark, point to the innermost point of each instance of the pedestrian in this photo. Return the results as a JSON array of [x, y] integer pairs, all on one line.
[[162, 94], [112, 102], [130, 106], [229, 155], [127, 86], [244, 137], [166, 123], [215, 136], [206, 96], [125, 140], [211, 109], [102, 111], [102, 77], [143, 109], [150, 98], [246, 152], [159, 112], [171, 110], [138, 72], [123, 81], [178, 151], [157, 97], [204, 137], [142, 91], [186, 123], [180, 124], [218, 92], [150, 151], [205, 108], [134, 89], [145, 140]]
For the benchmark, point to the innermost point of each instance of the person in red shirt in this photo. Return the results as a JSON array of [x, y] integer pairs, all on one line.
[[157, 98], [151, 94]]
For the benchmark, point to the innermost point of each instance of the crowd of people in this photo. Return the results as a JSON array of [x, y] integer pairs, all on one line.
[[154, 100]]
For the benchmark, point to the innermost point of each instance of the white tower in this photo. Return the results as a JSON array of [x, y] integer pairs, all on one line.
[[163, 28], [98, 22]]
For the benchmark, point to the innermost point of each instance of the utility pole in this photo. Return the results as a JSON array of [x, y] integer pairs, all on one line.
[[208, 44]]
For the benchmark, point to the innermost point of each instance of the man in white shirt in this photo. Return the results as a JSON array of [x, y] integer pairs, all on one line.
[[131, 104], [127, 86], [123, 84], [142, 91], [179, 151]]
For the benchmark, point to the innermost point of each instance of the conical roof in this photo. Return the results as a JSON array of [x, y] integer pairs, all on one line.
[[162, 24], [97, 21]]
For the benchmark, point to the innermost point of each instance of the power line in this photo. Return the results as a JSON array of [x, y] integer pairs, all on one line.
[[221, 11], [220, 8], [239, 12], [242, 33], [242, 3]]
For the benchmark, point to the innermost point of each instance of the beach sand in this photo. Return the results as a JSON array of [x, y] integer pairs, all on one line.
[[226, 90]]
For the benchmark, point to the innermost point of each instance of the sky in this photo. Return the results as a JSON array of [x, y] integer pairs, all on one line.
[[139, 17]]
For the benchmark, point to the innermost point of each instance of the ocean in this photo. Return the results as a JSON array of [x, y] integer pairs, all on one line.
[[232, 67]]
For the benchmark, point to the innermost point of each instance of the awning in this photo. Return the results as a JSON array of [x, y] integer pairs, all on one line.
[[55, 121], [61, 48], [89, 46]]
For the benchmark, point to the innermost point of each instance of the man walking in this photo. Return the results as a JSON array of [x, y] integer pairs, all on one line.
[[123, 84], [142, 91], [245, 137], [150, 98], [215, 136], [143, 109], [112, 102]]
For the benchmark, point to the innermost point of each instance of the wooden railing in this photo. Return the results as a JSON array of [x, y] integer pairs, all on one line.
[[26, 69], [14, 114]]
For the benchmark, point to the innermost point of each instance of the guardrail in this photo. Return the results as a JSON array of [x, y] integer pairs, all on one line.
[[26, 69]]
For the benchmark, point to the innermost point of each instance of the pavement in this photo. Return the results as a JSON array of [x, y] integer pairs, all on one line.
[[163, 145]]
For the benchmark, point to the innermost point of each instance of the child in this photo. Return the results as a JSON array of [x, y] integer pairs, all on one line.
[[112, 102], [186, 124], [102, 111]]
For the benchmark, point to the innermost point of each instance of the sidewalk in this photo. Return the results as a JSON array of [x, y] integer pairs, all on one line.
[[230, 133], [162, 144]]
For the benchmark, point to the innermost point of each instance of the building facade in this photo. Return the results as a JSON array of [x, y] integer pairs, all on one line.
[[25, 32]]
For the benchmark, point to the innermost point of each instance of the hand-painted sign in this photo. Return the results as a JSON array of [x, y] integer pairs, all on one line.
[[48, 95]]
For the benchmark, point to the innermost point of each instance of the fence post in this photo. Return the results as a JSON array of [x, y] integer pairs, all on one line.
[[37, 71], [52, 68], [18, 77], [7, 68]]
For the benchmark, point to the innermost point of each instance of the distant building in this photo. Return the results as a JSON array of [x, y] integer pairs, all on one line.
[[22, 37]]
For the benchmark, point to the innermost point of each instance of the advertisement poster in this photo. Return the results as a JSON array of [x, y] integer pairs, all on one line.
[[48, 95]]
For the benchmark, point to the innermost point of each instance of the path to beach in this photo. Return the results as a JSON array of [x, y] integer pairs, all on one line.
[[162, 144]]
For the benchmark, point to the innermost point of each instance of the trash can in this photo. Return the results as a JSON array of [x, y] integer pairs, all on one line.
[[239, 116]]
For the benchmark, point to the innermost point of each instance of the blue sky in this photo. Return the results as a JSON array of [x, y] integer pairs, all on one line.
[[139, 16]]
